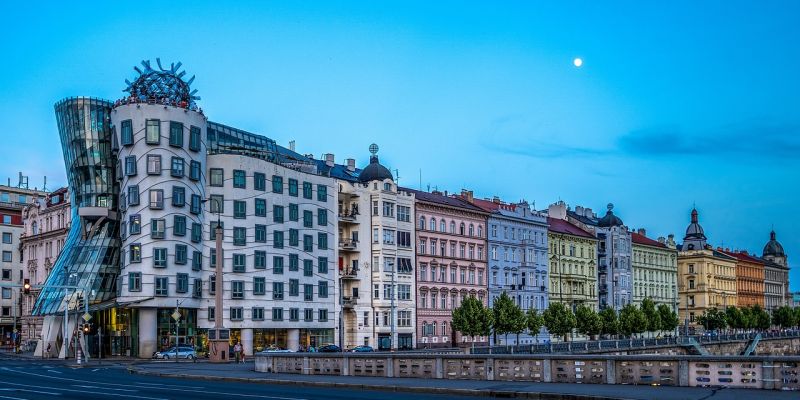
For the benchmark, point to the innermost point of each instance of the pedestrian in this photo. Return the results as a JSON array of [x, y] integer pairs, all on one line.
[[237, 351], [48, 351]]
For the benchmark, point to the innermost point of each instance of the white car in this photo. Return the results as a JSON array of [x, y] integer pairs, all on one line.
[[185, 352], [276, 350]]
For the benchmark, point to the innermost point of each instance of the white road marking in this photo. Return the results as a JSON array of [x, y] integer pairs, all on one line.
[[32, 391], [12, 398], [54, 371], [105, 388], [85, 391]]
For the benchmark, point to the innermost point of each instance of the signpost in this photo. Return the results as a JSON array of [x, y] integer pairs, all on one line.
[[177, 317]]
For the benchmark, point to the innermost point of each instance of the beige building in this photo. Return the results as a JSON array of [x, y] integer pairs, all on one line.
[[46, 223], [706, 277], [573, 263], [655, 270]]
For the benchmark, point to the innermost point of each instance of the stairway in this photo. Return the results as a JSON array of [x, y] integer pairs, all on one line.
[[751, 345]]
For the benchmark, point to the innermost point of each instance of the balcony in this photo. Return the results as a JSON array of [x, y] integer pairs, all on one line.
[[349, 302], [349, 273], [348, 245], [350, 216]]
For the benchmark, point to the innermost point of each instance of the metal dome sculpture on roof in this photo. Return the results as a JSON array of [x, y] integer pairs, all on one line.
[[374, 171], [609, 219], [162, 85], [773, 247]]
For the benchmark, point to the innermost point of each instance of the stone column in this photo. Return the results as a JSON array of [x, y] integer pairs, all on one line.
[[148, 324], [247, 341], [293, 339]]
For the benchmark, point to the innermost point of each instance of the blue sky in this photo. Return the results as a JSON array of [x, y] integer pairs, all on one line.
[[676, 103]]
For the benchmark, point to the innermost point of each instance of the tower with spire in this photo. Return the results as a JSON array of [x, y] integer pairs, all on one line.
[[695, 238]]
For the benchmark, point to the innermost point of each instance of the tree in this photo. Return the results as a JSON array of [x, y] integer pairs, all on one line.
[[735, 318], [519, 321], [712, 319], [534, 321], [501, 316], [797, 315], [748, 319], [559, 320], [587, 321], [471, 318], [669, 319], [610, 321], [651, 315], [632, 320], [761, 318], [784, 317]]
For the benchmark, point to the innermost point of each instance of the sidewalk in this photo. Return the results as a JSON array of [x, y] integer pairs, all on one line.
[[245, 373]]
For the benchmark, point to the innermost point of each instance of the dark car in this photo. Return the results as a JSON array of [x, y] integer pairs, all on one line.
[[331, 348], [362, 349]]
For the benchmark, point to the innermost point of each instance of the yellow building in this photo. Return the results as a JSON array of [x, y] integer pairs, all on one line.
[[655, 270], [706, 277], [573, 264]]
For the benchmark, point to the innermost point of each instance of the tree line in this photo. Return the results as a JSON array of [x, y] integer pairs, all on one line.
[[748, 318]]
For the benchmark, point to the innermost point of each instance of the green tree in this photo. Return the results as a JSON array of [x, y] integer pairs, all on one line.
[[632, 320], [761, 318], [587, 321], [651, 315], [608, 316], [534, 321], [784, 317], [471, 318], [748, 319], [559, 320], [712, 319], [502, 309], [735, 318], [519, 321], [669, 319], [797, 315]]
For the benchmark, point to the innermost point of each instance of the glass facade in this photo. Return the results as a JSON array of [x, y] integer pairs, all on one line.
[[90, 258]]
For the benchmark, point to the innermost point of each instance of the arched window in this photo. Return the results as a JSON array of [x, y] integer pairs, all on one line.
[[480, 230], [433, 224], [461, 229], [433, 329], [471, 230], [444, 328], [453, 227], [35, 228], [421, 223], [442, 226]]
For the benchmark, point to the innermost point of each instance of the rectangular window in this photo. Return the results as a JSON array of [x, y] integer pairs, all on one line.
[[294, 262], [179, 225], [322, 315], [308, 292], [259, 286], [292, 187], [195, 207], [126, 129], [294, 314], [277, 213], [135, 224], [133, 195], [277, 264], [294, 237], [7, 238], [259, 181], [277, 290], [194, 170], [213, 229], [197, 232], [403, 213], [239, 209], [294, 212], [216, 177], [404, 292], [217, 204], [322, 217], [322, 193], [162, 286], [178, 196], [322, 289], [237, 289], [277, 184], [182, 283], [308, 268], [277, 239], [159, 257], [194, 138], [237, 313], [175, 134], [239, 180], [277, 314], [197, 261], [260, 208], [197, 288], [211, 313], [153, 131], [177, 169], [258, 313], [307, 190], [7, 256], [260, 259], [308, 314], [322, 265], [239, 261], [294, 287], [404, 239], [130, 165], [153, 164], [181, 254], [308, 219], [308, 243], [156, 199], [134, 281], [260, 234], [322, 241], [158, 228]]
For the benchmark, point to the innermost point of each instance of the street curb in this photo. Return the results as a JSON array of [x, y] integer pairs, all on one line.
[[392, 388]]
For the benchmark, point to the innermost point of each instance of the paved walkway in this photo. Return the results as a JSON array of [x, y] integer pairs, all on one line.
[[244, 372]]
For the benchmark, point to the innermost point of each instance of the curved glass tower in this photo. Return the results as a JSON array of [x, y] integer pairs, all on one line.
[[88, 266]]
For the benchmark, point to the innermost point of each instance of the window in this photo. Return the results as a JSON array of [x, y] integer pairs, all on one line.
[[156, 199], [322, 265], [404, 239], [195, 206], [237, 289], [277, 314], [277, 184], [7, 238], [197, 261], [404, 265], [158, 227], [177, 167], [197, 288], [211, 313], [153, 164], [322, 241], [135, 224], [388, 209], [308, 314], [404, 292], [322, 289], [126, 130], [162, 286], [217, 204], [403, 213], [213, 229], [179, 225], [239, 180], [130, 165], [307, 190], [277, 213], [134, 281], [322, 217], [181, 283], [194, 138], [277, 290], [239, 261], [237, 313], [322, 193], [181, 254], [308, 268], [259, 286], [239, 209], [292, 187], [308, 219], [404, 318], [260, 234], [133, 195], [153, 131], [194, 170], [260, 259], [277, 239], [294, 287], [197, 232], [308, 292], [260, 208], [322, 315], [216, 177], [294, 237], [175, 134], [178, 196], [159, 257], [277, 264], [294, 314], [308, 243], [258, 313]]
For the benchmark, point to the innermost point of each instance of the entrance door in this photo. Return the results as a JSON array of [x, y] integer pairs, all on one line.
[[384, 342]]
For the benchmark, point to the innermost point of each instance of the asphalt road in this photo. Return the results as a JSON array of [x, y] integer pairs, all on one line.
[[28, 379]]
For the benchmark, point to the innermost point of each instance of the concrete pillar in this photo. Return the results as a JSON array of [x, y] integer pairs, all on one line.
[[611, 372], [547, 370], [683, 373], [490, 369], [247, 341], [293, 339], [345, 365], [439, 372], [148, 324], [389, 367], [52, 329], [306, 368], [768, 375]]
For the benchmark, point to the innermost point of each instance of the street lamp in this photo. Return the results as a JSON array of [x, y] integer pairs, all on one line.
[[219, 336]]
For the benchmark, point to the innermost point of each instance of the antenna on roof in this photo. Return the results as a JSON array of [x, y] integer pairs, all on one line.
[[420, 179], [397, 176], [44, 188]]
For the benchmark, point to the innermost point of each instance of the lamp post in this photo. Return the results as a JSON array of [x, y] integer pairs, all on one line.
[[219, 336]]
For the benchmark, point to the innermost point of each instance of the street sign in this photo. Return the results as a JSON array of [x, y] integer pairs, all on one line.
[[176, 315], [87, 317]]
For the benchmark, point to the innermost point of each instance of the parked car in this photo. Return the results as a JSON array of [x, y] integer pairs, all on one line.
[[275, 350], [362, 349], [186, 352], [331, 348]]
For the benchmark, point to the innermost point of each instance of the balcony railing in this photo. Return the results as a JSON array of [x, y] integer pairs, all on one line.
[[348, 244], [348, 302]]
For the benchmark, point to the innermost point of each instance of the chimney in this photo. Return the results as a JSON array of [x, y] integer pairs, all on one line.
[[436, 192], [328, 159], [588, 213], [291, 145], [445, 193], [662, 240], [496, 200], [467, 195], [557, 210], [579, 210], [351, 164], [642, 232]]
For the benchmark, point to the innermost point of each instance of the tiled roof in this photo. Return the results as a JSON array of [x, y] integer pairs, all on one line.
[[491, 206], [443, 200], [585, 220], [644, 240], [561, 226], [744, 257]]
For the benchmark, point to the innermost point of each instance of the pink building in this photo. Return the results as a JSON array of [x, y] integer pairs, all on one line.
[[451, 265]]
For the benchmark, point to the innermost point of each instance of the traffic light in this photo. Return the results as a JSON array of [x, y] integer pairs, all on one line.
[[26, 286], [87, 328]]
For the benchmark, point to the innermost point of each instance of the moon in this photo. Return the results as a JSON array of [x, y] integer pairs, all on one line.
[[577, 62]]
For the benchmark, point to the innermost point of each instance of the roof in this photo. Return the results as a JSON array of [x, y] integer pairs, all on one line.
[[491, 206], [375, 171], [562, 226], [337, 171], [582, 218], [441, 199], [773, 247], [742, 256], [646, 241]]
